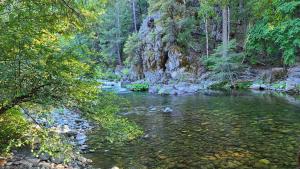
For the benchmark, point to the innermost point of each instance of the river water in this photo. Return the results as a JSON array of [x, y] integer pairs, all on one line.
[[209, 130]]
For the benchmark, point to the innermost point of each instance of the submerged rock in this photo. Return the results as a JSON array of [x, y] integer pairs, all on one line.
[[168, 110]]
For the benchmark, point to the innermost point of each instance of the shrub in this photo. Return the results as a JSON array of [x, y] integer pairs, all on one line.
[[279, 85], [225, 68], [17, 132], [12, 126], [243, 85], [138, 87]]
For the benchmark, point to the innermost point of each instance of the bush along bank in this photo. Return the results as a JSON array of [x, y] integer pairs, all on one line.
[[70, 127], [138, 87]]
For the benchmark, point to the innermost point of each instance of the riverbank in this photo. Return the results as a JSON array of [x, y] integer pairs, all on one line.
[[67, 123], [274, 79], [25, 160]]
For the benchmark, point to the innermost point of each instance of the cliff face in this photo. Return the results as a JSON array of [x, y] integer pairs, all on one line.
[[159, 63], [171, 70]]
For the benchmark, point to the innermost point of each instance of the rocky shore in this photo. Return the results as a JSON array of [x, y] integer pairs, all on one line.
[[65, 122], [22, 161], [274, 79]]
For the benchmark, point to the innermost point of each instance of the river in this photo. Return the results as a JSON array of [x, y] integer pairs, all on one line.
[[209, 130]]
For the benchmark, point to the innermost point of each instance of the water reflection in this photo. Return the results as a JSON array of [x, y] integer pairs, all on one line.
[[242, 130]]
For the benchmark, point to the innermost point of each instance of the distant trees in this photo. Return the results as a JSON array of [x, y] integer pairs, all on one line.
[[178, 19], [121, 18], [206, 11], [134, 15]]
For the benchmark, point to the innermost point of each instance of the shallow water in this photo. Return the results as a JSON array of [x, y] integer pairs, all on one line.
[[209, 130]]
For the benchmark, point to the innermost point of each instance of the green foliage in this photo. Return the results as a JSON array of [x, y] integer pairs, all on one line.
[[125, 71], [115, 27], [243, 85], [104, 110], [225, 68], [131, 49], [279, 85], [47, 60], [298, 88], [118, 129], [277, 33], [177, 20], [17, 132], [220, 85], [138, 87], [13, 126], [109, 75]]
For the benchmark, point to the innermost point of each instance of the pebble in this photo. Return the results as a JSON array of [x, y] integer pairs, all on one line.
[[63, 122]]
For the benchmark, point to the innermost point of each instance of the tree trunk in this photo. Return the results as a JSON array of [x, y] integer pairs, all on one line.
[[118, 34], [228, 24], [134, 15], [206, 35], [225, 30]]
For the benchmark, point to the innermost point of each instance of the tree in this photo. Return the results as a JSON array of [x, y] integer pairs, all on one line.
[[225, 30], [134, 15], [178, 20], [275, 32], [114, 28], [206, 11], [45, 64]]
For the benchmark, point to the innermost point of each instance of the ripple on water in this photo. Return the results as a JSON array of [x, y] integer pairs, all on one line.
[[241, 130]]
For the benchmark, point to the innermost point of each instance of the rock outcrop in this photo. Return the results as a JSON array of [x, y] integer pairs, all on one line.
[[169, 70], [157, 62], [293, 80]]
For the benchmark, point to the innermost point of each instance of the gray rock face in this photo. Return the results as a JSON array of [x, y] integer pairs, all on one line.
[[159, 62], [173, 62], [293, 80], [154, 89], [166, 90]]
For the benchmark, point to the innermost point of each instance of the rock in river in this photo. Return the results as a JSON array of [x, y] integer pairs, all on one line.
[[168, 110]]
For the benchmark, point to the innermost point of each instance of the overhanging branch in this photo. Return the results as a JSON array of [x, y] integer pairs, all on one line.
[[78, 14], [21, 99]]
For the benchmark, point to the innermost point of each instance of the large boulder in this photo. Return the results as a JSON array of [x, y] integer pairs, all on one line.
[[167, 90], [293, 80], [272, 75], [158, 62]]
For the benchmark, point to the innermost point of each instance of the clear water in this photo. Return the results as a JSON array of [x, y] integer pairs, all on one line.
[[210, 130]]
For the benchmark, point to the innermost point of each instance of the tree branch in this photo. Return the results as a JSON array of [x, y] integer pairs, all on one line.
[[21, 99], [78, 14]]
